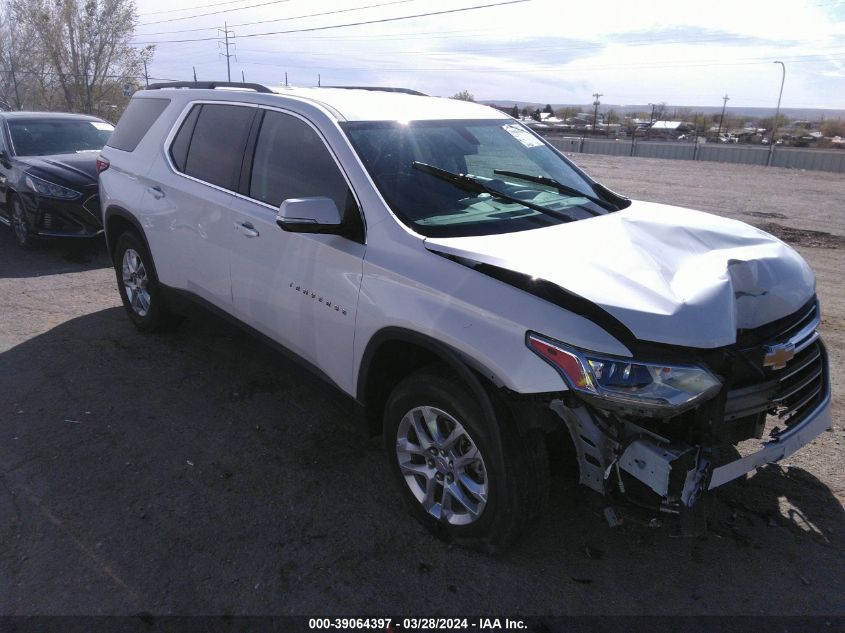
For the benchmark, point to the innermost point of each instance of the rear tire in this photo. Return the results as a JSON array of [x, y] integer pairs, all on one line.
[[469, 480], [139, 287]]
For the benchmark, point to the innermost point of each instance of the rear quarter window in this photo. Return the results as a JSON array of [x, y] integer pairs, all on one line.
[[136, 121], [216, 150]]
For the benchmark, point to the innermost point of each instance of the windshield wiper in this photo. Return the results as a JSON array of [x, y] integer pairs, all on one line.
[[473, 185], [551, 182]]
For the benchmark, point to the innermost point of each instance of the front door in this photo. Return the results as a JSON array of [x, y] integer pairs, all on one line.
[[299, 289]]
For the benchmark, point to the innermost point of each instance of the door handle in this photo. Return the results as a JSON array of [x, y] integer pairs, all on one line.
[[246, 229], [156, 191]]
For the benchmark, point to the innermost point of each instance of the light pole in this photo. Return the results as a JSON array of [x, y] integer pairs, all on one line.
[[777, 114]]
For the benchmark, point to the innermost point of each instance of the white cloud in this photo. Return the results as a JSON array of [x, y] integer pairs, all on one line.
[[544, 51]]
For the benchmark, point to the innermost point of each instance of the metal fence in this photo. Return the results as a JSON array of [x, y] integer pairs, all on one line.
[[818, 160]]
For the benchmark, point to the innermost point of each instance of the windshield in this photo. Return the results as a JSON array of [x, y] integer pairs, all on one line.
[[42, 137], [498, 156]]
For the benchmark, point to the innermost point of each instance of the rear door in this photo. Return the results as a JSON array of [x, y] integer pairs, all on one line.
[[189, 199], [299, 289]]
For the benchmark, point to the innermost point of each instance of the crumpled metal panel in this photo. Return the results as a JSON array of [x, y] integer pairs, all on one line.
[[671, 275]]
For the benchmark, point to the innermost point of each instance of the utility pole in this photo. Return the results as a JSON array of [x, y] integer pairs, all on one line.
[[226, 34], [773, 140], [146, 75], [243, 79], [596, 105], [195, 72], [286, 78], [318, 80], [725, 100], [650, 121]]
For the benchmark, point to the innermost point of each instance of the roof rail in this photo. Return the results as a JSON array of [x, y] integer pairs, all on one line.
[[407, 91], [209, 85]]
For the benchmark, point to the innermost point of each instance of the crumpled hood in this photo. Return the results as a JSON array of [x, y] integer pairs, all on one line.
[[671, 275]]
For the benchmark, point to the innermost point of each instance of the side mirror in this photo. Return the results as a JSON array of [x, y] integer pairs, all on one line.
[[4, 159], [310, 215]]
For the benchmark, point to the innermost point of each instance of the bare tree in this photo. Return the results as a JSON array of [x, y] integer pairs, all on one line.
[[84, 49], [464, 95], [17, 62]]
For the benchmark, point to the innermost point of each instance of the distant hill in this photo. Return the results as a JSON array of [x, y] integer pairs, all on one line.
[[804, 114]]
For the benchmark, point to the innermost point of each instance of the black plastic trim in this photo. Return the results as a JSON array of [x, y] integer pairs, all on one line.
[[462, 366], [407, 91], [210, 85]]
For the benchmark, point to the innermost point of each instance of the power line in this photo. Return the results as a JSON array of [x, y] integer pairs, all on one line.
[[202, 6], [297, 17], [202, 15], [340, 26]]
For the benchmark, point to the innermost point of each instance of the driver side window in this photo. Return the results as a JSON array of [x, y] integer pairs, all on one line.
[[292, 161]]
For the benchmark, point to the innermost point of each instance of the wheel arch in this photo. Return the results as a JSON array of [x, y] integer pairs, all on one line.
[[116, 221], [393, 353]]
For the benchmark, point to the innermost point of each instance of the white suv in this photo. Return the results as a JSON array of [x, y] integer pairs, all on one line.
[[471, 290]]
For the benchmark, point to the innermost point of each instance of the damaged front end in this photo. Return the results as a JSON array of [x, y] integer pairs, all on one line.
[[661, 433]]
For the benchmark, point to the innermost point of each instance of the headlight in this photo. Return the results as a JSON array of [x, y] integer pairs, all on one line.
[[649, 386], [50, 189]]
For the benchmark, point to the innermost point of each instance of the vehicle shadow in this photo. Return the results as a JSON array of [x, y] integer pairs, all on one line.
[[50, 257], [199, 472]]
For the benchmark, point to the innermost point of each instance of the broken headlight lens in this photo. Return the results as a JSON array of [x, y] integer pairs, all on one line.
[[626, 381]]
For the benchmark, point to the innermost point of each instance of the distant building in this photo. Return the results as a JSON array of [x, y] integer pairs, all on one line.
[[670, 129], [585, 118]]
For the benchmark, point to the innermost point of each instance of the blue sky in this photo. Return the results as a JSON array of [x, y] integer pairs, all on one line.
[[538, 50]]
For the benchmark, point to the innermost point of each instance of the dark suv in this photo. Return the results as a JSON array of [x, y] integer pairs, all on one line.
[[48, 174]]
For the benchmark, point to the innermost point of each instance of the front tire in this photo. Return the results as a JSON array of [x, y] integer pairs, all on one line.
[[140, 290], [468, 480], [20, 227]]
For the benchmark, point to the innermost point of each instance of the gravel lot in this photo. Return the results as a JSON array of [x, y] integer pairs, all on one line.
[[199, 473]]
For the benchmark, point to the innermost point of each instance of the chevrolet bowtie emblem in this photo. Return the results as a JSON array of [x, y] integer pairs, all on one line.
[[777, 356]]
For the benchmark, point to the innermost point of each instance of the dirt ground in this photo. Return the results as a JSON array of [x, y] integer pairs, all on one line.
[[199, 473]]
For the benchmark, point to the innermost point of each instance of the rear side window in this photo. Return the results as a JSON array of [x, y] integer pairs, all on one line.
[[291, 161], [182, 141], [138, 118], [216, 149]]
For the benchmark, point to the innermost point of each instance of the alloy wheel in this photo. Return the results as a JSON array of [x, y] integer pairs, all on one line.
[[442, 465], [19, 222], [135, 282]]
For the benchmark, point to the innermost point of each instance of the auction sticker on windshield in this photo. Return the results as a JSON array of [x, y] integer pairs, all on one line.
[[522, 135]]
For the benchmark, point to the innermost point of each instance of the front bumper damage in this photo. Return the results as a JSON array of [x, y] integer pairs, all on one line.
[[651, 463], [53, 218], [678, 474]]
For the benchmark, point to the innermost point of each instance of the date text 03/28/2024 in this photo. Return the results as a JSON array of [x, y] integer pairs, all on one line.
[[411, 624]]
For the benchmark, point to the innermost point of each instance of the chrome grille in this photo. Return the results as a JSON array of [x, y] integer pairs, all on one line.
[[788, 393], [808, 319], [800, 384]]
